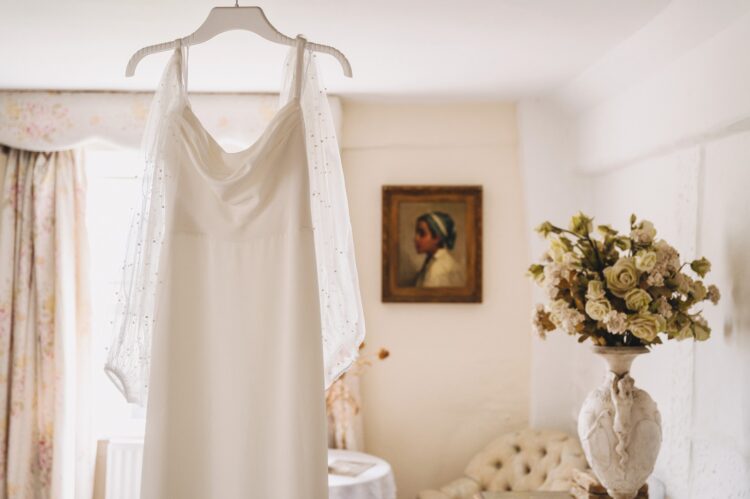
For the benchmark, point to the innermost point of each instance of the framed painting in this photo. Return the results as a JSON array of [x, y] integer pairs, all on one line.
[[432, 243]]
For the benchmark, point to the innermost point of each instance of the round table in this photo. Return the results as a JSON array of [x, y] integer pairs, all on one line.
[[374, 483]]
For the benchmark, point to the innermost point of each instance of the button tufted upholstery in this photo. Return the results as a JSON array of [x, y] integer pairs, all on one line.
[[524, 460]]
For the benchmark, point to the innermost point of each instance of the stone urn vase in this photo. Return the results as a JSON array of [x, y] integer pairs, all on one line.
[[620, 426]]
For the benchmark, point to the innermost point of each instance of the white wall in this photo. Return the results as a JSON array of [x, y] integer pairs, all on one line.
[[674, 148], [721, 409], [700, 95], [678, 144], [664, 191], [458, 374], [697, 197], [553, 191]]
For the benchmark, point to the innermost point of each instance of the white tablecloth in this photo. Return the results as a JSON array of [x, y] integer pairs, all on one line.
[[374, 483]]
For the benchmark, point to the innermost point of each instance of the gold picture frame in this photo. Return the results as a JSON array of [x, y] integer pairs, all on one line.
[[432, 243]]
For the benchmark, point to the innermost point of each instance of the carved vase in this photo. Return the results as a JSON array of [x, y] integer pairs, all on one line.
[[620, 426]]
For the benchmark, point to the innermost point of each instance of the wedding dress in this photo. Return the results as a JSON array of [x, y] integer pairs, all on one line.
[[240, 302]]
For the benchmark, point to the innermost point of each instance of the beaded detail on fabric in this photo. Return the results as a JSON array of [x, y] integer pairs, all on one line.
[[342, 321]]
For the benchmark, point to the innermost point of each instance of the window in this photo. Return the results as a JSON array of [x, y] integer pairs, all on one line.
[[114, 183]]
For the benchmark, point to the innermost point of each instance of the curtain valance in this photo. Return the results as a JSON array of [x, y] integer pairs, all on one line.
[[57, 120]]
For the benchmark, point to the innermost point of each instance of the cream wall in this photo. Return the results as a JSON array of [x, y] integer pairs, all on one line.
[[458, 374]]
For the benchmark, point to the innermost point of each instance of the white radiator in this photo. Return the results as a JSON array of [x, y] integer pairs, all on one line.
[[124, 459]]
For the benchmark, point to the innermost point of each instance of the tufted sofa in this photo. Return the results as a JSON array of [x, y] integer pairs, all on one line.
[[525, 460]]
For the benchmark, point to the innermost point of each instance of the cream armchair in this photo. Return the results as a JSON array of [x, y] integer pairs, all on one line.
[[525, 460]]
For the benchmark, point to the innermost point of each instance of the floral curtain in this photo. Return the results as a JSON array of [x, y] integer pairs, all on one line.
[[46, 449]]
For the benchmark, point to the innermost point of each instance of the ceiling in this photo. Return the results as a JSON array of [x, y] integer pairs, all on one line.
[[414, 49]]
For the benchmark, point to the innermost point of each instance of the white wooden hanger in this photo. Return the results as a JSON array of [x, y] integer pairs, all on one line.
[[222, 19]]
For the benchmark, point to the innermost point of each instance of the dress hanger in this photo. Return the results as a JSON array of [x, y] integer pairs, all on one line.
[[222, 19]]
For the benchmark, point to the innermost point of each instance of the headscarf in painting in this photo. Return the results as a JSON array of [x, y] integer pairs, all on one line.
[[441, 225]]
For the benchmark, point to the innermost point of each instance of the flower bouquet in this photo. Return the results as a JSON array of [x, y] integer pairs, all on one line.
[[619, 289], [343, 403]]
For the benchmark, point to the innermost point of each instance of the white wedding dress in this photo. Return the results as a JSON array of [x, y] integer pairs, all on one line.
[[240, 301]]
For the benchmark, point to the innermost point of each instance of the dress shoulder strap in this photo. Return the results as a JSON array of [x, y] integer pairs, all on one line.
[[299, 75], [182, 52]]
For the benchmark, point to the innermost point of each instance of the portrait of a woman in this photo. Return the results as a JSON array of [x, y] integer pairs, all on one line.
[[434, 237], [432, 243]]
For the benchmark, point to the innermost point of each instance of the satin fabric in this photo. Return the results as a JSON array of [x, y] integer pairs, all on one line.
[[236, 392]]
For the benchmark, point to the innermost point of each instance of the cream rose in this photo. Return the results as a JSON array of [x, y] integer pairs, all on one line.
[[598, 309], [637, 299], [646, 326], [622, 276], [645, 261]]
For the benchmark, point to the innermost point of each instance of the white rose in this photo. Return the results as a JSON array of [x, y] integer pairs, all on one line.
[[598, 309], [622, 276], [637, 299], [645, 261], [646, 326]]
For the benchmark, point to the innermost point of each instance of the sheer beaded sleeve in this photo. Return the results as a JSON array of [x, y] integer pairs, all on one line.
[[128, 357], [342, 318], [342, 321]]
